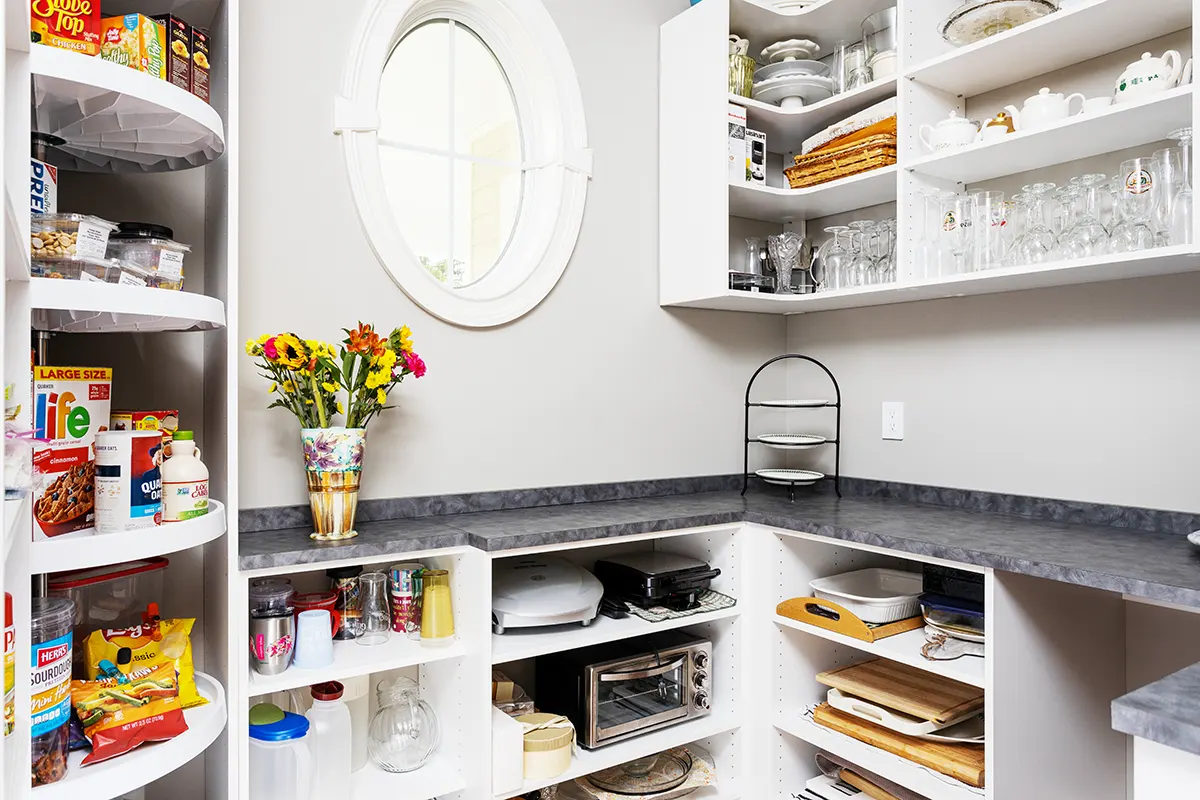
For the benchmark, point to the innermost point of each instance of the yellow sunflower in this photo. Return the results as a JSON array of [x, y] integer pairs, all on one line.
[[289, 387], [291, 351], [329, 387]]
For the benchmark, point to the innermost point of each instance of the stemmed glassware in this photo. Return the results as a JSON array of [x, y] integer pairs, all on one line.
[[835, 257], [864, 264], [1087, 236], [1181, 204], [1038, 243], [1136, 201]]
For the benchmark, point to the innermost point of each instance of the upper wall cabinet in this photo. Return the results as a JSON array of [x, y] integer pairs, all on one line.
[[921, 150]]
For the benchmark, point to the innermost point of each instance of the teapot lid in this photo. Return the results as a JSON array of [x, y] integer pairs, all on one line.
[[954, 119]]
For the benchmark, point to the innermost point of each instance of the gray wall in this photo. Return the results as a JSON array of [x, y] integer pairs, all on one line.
[[1085, 393], [596, 384]]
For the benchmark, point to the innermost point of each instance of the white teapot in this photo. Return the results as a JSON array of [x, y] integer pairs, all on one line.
[[1042, 109], [953, 131], [1149, 75]]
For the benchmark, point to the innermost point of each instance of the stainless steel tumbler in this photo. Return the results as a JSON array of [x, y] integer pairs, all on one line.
[[272, 642]]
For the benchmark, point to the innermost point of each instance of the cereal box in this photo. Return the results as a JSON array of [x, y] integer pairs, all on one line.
[[200, 65], [135, 41], [70, 404], [69, 24], [179, 50], [165, 421]]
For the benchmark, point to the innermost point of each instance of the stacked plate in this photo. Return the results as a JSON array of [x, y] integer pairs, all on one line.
[[792, 77], [976, 20]]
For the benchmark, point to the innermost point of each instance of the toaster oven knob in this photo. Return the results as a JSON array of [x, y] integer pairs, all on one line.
[[701, 680], [701, 700], [701, 660]]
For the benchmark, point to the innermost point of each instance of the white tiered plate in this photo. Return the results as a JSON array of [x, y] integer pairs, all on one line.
[[791, 441], [790, 477], [118, 776], [117, 119]]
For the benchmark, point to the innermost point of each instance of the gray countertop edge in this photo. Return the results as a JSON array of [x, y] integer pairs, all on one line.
[[1166, 711]]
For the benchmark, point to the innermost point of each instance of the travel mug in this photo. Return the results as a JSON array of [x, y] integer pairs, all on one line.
[[272, 639], [314, 639]]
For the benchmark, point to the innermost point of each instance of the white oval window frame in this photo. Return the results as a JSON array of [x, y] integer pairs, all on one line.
[[557, 162]]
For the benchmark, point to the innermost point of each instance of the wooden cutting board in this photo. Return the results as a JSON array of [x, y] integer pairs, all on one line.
[[908, 689], [961, 761], [865, 786]]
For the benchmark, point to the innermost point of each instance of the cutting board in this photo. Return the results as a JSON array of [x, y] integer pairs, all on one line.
[[865, 786], [963, 762], [907, 689]]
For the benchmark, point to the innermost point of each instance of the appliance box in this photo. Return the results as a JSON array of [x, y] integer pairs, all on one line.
[[756, 157], [737, 144]]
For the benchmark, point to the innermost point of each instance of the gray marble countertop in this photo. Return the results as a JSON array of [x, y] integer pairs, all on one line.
[[1166, 711]]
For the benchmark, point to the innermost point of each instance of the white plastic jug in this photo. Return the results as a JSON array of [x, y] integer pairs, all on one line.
[[281, 766], [330, 733]]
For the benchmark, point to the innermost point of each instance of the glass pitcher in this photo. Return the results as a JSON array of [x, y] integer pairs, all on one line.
[[404, 731]]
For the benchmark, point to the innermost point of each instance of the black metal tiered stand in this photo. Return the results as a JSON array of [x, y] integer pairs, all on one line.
[[835, 441]]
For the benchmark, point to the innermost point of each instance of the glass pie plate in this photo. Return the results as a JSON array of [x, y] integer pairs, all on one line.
[[977, 20], [651, 775]]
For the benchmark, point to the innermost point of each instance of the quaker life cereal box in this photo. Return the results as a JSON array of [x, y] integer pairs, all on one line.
[[200, 65], [70, 404], [69, 24], [179, 50], [43, 187], [136, 41]]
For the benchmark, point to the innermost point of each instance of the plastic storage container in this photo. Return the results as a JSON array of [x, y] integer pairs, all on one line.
[[103, 270], [873, 595], [281, 764], [50, 686], [152, 248], [69, 235], [330, 731], [110, 597], [271, 596]]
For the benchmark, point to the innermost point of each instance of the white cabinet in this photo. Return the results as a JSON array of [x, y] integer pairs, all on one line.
[[1083, 47]]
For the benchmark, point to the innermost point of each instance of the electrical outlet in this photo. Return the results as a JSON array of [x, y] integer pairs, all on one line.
[[893, 421]]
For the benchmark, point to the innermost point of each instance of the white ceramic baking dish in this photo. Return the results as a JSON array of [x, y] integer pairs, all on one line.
[[874, 595]]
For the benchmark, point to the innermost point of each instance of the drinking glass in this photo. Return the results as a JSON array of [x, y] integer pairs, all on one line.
[[864, 262], [1181, 206], [858, 71], [1087, 237], [314, 639], [376, 610], [924, 260], [1136, 203], [1014, 231], [956, 237], [886, 263], [838, 66], [987, 228], [1170, 168], [1038, 244], [835, 258]]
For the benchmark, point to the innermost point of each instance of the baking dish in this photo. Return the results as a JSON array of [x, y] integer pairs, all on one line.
[[875, 595]]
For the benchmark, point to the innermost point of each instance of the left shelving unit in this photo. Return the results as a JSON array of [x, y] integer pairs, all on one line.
[[132, 147]]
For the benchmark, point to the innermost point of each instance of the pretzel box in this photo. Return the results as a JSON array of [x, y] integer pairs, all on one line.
[[70, 404]]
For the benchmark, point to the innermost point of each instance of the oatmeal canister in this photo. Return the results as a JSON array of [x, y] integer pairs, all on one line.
[[128, 480], [50, 686]]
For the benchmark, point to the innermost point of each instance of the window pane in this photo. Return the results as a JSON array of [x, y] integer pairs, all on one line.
[[418, 189], [486, 200], [414, 93], [485, 118]]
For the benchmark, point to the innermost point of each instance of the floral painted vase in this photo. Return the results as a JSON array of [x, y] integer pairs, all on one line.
[[333, 459]]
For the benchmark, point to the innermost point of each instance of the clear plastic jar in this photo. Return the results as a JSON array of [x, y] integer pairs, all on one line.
[[51, 622], [152, 248], [68, 235]]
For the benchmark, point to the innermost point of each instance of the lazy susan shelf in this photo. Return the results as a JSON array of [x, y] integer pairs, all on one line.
[[79, 307], [118, 776], [117, 119], [76, 551]]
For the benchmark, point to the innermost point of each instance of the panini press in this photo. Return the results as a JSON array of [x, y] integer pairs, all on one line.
[[656, 579]]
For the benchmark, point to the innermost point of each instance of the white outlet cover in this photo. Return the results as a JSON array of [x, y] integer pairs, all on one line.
[[893, 421]]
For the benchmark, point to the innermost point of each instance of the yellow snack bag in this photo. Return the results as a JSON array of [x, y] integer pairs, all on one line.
[[154, 642]]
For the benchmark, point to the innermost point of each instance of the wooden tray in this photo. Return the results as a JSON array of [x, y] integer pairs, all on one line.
[[962, 762], [906, 689], [830, 165], [832, 617]]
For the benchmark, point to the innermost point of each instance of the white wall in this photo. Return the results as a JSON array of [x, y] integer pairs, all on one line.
[[1084, 393], [596, 384]]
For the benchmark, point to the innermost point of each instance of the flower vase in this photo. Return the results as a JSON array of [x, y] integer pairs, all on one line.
[[333, 459]]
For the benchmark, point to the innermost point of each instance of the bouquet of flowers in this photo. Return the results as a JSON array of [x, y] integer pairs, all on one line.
[[309, 376]]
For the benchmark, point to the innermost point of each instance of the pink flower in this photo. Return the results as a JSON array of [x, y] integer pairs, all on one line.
[[269, 349], [415, 364]]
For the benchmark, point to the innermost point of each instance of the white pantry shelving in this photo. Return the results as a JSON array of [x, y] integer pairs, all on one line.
[[78, 306], [441, 777], [703, 217], [82, 551]]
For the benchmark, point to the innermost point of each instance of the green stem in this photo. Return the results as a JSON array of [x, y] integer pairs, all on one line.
[[318, 401]]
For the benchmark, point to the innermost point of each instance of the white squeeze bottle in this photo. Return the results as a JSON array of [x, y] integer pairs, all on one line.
[[184, 480], [330, 721]]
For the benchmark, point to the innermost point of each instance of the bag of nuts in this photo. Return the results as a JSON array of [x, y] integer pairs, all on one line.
[[69, 235]]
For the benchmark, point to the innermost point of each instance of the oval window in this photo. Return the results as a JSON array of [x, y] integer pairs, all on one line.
[[448, 124], [463, 130]]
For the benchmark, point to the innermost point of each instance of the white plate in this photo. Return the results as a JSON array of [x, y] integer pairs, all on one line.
[[793, 91], [969, 731], [807, 403], [957, 634], [791, 441], [790, 477], [1193, 537], [798, 67], [791, 48]]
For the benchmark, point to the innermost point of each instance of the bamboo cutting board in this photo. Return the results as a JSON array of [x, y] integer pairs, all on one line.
[[963, 762], [907, 689]]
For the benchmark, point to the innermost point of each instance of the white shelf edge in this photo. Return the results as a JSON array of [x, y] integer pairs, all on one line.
[[78, 306], [908, 774], [520, 643], [16, 255], [81, 551], [17, 520], [441, 776], [843, 98], [585, 762], [903, 648], [147, 763], [820, 188], [351, 659]]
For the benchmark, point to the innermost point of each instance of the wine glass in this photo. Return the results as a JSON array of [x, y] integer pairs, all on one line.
[[955, 235], [864, 262], [1087, 237], [835, 257], [1136, 201], [1038, 243], [1181, 206]]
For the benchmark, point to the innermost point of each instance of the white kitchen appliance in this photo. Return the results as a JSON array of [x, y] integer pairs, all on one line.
[[532, 591]]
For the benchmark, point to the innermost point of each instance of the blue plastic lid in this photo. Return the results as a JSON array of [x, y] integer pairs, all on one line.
[[276, 727]]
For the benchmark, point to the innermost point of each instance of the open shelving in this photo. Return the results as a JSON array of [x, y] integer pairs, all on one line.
[[775, 204], [78, 306], [439, 778], [789, 127]]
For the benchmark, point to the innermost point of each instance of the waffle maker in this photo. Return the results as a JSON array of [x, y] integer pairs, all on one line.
[[656, 579]]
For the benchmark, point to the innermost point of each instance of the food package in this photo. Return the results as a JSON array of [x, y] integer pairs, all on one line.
[[126, 711], [43, 187], [166, 421], [70, 404], [136, 41], [179, 50], [71, 26], [166, 641], [200, 63], [855, 122]]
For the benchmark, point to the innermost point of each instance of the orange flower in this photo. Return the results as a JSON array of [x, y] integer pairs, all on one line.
[[365, 340]]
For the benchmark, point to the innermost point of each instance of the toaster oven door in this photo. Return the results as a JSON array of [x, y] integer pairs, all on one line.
[[638, 695]]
